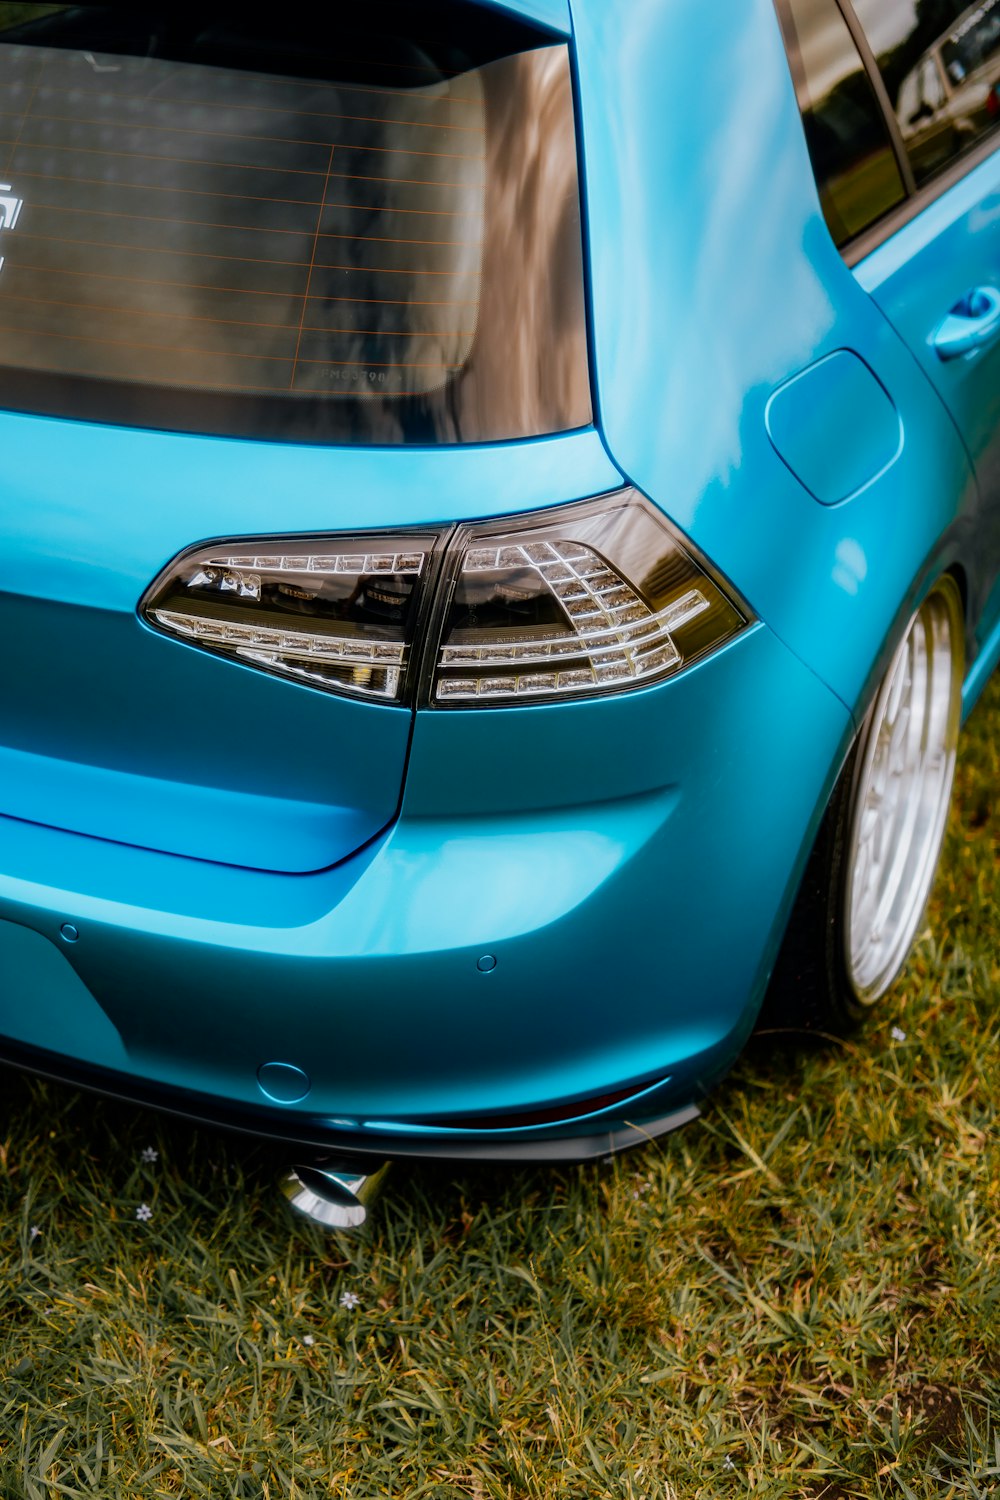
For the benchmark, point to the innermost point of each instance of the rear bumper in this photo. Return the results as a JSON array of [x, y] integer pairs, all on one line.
[[631, 929]]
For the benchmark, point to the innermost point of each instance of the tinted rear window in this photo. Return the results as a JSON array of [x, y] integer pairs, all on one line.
[[216, 225]]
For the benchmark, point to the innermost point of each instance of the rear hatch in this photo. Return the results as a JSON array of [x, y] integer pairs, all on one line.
[[260, 282]]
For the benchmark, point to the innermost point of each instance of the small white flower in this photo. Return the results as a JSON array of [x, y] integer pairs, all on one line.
[[144, 1212], [728, 1463], [350, 1300], [150, 1154], [34, 1232], [308, 1340], [898, 1034]]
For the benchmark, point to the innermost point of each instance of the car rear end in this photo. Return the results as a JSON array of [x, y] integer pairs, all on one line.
[[379, 769]]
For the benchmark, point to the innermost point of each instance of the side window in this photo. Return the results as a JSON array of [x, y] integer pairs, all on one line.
[[940, 61], [852, 157]]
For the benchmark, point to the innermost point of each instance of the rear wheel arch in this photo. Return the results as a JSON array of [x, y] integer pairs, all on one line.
[[828, 976]]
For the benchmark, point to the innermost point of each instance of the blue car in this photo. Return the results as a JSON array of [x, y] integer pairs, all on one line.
[[500, 528]]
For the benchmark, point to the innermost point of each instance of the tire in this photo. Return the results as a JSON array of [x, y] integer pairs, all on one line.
[[870, 873]]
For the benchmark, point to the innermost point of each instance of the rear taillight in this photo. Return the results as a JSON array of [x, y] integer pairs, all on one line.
[[586, 600], [338, 613], [578, 601]]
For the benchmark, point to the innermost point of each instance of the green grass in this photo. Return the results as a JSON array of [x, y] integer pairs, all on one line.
[[797, 1296]]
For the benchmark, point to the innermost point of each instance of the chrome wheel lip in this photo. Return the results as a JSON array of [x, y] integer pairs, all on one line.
[[902, 790]]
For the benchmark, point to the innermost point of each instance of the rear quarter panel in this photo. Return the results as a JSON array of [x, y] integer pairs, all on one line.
[[714, 279]]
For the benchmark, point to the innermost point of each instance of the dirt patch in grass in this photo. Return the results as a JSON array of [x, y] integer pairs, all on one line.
[[942, 1416]]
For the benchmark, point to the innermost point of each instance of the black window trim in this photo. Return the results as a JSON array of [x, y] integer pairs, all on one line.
[[917, 198], [860, 38]]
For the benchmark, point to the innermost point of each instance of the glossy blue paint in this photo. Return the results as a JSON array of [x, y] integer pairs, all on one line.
[[421, 914], [44, 998], [981, 671], [917, 278], [203, 822], [112, 729], [686, 360], [155, 493], [366, 975], [838, 393]]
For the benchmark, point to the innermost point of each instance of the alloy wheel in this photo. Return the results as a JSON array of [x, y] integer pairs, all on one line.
[[901, 794]]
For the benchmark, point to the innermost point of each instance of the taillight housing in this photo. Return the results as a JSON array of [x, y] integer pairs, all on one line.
[[339, 613], [582, 600], [587, 599]]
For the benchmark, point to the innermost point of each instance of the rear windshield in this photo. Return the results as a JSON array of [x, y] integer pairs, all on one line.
[[333, 229]]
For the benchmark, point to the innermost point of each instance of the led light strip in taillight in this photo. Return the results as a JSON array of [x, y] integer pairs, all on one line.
[[272, 648]]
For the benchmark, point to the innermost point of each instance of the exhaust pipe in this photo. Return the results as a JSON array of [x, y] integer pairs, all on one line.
[[332, 1195]]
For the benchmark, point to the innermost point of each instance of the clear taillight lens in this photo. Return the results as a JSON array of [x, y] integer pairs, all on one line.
[[335, 612], [600, 597]]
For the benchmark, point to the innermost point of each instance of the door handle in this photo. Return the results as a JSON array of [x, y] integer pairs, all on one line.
[[970, 324]]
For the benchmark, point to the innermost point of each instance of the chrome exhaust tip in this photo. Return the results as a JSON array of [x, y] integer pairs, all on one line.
[[331, 1195]]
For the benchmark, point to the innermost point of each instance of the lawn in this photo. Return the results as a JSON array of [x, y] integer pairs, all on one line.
[[799, 1295]]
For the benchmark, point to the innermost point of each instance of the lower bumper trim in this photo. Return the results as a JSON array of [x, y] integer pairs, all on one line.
[[319, 1137]]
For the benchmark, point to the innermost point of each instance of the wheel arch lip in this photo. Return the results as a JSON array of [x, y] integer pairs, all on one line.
[[946, 559]]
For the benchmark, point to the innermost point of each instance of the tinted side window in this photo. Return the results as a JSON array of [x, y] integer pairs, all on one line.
[[856, 171], [940, 60]]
